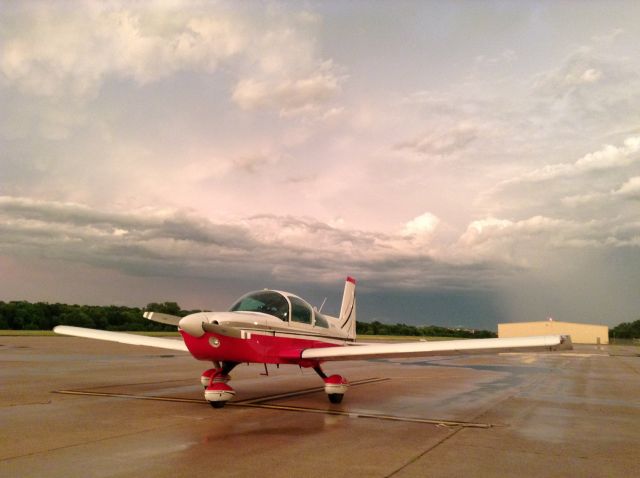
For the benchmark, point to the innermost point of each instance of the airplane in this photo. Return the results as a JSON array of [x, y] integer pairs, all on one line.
[[277, 327]]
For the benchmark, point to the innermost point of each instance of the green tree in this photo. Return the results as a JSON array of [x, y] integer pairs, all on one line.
[[77, 317], [171, 308], [626, 330]]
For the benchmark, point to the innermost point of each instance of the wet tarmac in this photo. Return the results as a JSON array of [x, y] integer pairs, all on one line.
[[75, 407]]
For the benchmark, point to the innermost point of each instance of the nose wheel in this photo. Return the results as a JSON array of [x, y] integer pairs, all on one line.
[[217, 392], [335, 386]]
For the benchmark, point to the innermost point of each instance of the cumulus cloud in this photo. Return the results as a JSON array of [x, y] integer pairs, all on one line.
[[579, 70], [525, 241], [582, 69], [630, 189], [421, 227], [609, 157], [287, 95], [584, 203], [595, 87], [441, 142], [578, 200], [49, 54], [507, 56]]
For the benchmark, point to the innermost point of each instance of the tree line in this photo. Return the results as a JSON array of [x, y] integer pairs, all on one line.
[[22, 315], [378, 328], [626, 330]]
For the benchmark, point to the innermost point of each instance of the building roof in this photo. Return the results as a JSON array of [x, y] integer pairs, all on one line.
[[556, 322]]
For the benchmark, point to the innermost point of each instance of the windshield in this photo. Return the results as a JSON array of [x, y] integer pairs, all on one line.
[[267, 302]]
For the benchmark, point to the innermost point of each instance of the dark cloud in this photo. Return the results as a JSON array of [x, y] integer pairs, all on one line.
[[179, 244]]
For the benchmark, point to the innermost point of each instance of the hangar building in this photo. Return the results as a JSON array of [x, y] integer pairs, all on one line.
[[580, 333]]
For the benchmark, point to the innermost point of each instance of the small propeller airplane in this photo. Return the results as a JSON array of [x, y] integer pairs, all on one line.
[[276, 327]]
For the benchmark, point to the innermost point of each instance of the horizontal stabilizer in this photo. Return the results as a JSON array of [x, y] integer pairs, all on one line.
[[162, 318], [445, 347], [121, 337]]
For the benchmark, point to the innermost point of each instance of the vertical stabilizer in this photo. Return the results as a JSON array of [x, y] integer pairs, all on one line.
[[348, 309]]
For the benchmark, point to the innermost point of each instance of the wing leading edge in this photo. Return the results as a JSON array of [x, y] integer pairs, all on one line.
[[121, 337], [448, 347]]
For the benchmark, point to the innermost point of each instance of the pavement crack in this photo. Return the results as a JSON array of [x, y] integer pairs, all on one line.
[[22, 404], [417, 457], [514, 392], [625, 363]]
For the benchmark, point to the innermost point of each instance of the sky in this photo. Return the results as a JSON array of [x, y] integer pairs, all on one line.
[[468, 162]]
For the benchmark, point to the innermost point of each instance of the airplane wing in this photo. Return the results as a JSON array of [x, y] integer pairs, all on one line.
[[445, 347], [123, 338]]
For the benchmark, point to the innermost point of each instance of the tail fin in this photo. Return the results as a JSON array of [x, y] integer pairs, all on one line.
[[348, 309]]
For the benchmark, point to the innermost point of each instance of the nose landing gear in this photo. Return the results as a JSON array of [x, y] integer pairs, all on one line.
[[216, 391], [335, 386]]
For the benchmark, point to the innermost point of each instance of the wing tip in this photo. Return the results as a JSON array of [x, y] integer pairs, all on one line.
[[351, 279]]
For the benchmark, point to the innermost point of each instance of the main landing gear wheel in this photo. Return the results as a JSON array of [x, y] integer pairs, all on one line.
[[335, 397], [217, 404]]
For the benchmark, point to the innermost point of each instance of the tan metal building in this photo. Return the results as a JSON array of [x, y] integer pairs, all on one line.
[[580, 333]]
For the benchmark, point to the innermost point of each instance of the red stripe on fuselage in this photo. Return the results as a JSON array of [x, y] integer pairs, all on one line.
[[257, 349]]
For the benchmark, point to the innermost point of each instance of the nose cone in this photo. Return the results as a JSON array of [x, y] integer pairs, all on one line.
[[192, 324]]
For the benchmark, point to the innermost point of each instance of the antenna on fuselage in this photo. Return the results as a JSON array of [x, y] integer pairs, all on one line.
[[320, 309]]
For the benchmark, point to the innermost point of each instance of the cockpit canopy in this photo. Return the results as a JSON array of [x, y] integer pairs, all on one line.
[[284, 307]]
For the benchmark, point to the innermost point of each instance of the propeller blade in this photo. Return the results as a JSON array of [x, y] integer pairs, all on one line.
[[222, 330], [162, 318], [197, 324]]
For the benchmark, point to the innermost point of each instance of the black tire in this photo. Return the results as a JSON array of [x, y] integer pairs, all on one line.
[[219, 404], [336, 397]]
